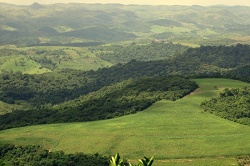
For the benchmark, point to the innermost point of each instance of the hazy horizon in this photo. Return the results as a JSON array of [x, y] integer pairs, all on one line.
[[142, 2]]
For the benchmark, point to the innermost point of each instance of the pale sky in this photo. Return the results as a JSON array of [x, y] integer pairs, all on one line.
[[144, 2]]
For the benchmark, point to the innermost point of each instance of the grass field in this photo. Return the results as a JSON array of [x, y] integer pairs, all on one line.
[[22, 64], [176, 133], [23, 59], [176, 30]]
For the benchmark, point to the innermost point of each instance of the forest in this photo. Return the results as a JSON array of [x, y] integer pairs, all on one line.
[[150, 52], [37, 156], [231, 104]]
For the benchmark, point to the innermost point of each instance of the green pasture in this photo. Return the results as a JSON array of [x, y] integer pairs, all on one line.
[[175, 132], [193, 45], [6, 108], [207, 32], [62, 29], [7, 28], [82, 59], [79, 58], [22, 64], [176, 30]]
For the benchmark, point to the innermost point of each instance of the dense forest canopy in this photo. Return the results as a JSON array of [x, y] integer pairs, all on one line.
[[148, 52], [37, 156], [231, 104]]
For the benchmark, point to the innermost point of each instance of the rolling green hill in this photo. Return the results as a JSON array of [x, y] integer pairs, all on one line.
[[176, 132], [123, 98], [43, 59]]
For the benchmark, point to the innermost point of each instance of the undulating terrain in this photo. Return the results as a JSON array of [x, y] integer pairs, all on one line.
[[82, 82]]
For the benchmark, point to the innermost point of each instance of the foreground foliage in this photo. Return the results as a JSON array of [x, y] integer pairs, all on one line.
[[37, 156], [243, 160], [118, 161], [231, 104]]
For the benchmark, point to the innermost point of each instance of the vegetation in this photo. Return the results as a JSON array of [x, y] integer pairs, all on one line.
[[42, 59], [154, 51], [37, 156], [241, 73], [59, 86], [87, 62], [117, 100], [244, 160], [90, 24], [118, 161], [190, 135], [234, 55], [232, 104]]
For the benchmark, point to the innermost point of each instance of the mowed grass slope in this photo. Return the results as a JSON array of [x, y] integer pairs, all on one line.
[[168, 130]]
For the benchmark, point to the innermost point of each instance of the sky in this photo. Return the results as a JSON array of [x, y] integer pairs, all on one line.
[[143, 2]]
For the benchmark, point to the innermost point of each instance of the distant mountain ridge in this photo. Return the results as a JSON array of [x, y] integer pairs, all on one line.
[[194, 24], [36, 6]]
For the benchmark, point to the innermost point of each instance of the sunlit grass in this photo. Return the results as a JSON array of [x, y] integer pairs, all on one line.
[[161, 29], [81, 59]]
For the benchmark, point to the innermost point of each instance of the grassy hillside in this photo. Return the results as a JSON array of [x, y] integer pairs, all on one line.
[[42, 59], [171, 130]]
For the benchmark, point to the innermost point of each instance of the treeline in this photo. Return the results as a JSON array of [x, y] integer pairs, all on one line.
[[37, 156], [217, 57], [101, 33], [226, 57], [154, 51], [241, 73], [116, 100], [232, 104]]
